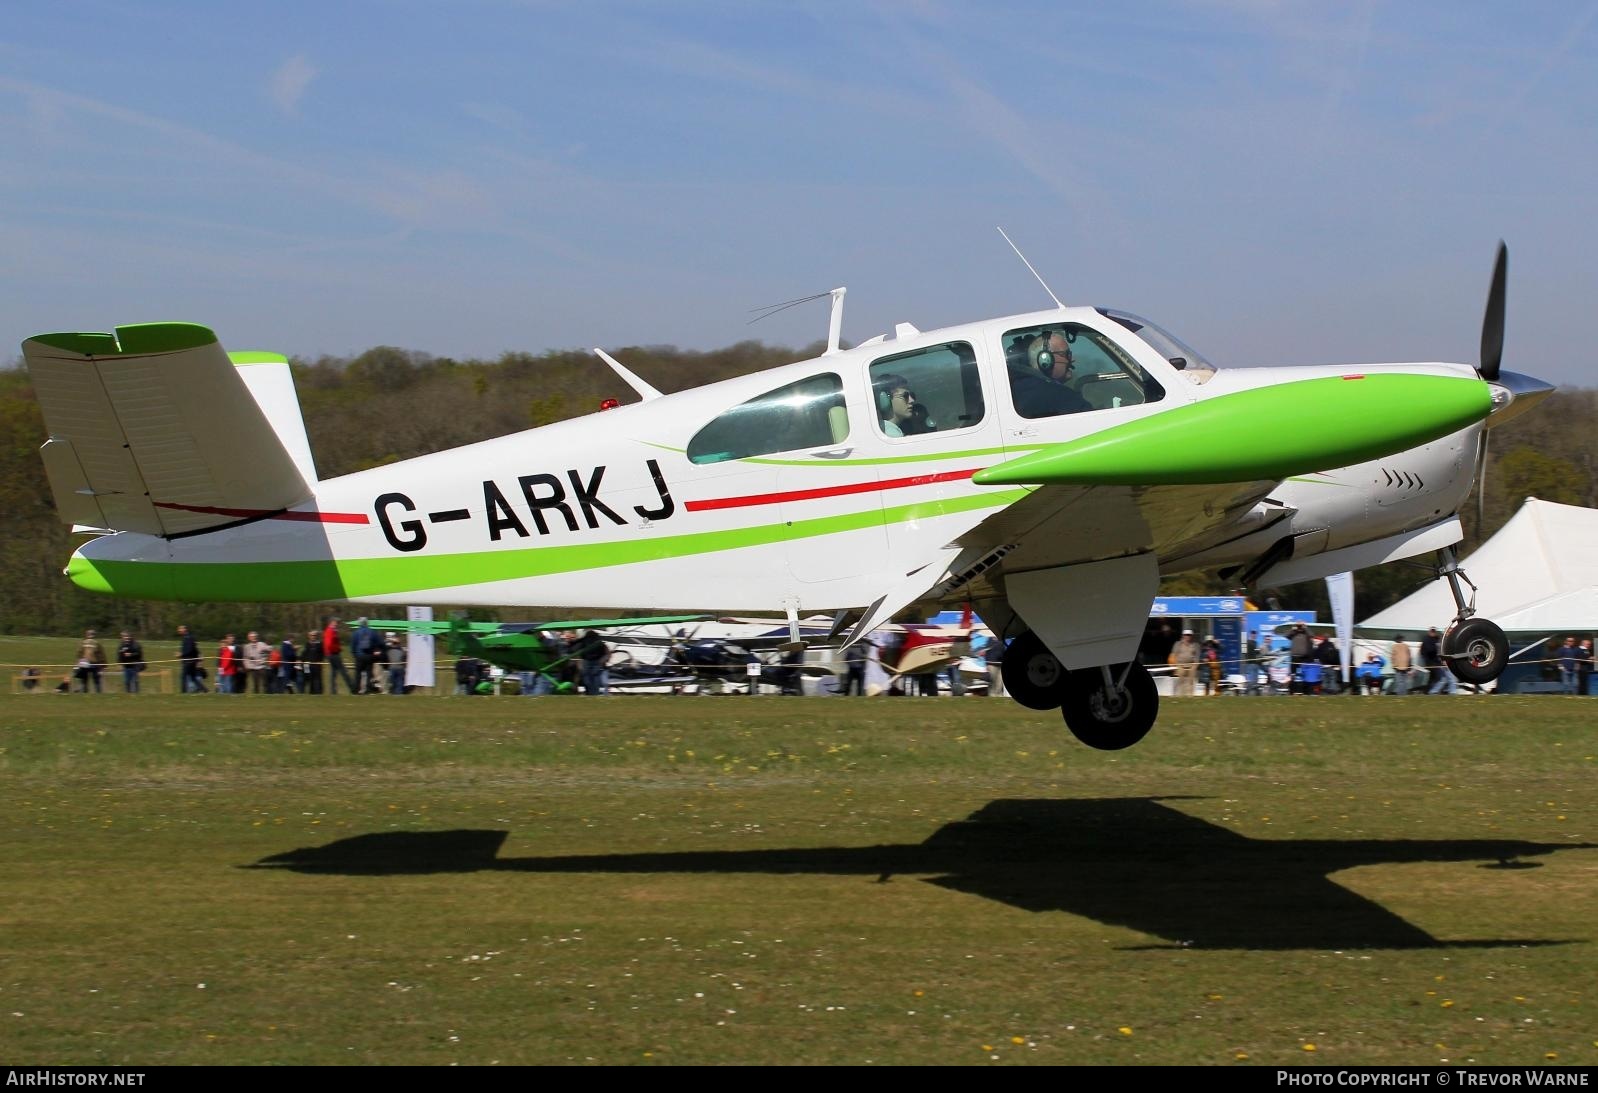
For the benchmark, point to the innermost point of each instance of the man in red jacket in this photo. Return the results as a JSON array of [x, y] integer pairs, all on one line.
[[334, 650]]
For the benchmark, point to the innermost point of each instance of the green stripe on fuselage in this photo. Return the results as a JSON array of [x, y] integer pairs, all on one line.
[[357, 578]]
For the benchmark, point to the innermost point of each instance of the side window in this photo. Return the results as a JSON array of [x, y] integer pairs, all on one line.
[[928, 390], [1065, 368], [807, 414]]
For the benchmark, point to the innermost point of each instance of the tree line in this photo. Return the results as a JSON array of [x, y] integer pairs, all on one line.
[[388, 404]]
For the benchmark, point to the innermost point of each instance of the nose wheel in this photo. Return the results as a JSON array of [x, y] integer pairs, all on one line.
[[1476, 650], [1110, 707]]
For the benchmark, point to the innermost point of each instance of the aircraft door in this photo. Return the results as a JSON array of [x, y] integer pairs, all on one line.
[[827, 492], [934, 423]]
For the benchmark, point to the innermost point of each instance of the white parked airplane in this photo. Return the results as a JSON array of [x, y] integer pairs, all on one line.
[[1048, 468]]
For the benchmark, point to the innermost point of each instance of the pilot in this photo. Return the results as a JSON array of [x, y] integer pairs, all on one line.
[[901, 412], [1039, 386]]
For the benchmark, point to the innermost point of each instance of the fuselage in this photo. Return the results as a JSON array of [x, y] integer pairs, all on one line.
[[812, 486]]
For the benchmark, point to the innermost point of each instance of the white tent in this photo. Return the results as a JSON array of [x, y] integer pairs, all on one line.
[[1539, 573]]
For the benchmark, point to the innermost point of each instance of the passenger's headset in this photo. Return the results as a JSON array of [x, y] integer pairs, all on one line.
[[885, 387]]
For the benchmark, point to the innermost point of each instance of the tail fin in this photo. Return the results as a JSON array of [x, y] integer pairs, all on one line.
[[153, 429], [268, 377]]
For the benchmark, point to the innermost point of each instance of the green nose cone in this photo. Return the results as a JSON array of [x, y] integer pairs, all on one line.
[[1263, 434]]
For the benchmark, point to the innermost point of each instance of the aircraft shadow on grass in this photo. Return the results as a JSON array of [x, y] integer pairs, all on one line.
[[1130, 862]]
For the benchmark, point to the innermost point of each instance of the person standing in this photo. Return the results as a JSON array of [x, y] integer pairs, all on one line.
[[365, 647], [335, 658], [1251, 666], [993, 657], [1431, 659], [854, 668], [189, 662], [1210, 668], [1568, 657], [1300, 650], [91, 661], [594, 653], [1440, 681], [257, 655], [312, 657], [130, 655], [1331, 659], [288, 667], [228, 667], [1185, 655], [1403, 664], [1584, 666], [394, 662]]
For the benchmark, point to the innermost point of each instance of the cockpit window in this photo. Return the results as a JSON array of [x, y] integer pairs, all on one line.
[[1067, 368], [1183, 357], [929, 390], [807, 414]]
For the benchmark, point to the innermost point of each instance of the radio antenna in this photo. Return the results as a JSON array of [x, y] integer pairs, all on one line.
[[834, 325], [1035, 273]]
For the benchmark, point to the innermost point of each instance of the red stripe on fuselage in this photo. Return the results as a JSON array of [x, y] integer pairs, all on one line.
[[825, 491], [246, 514]]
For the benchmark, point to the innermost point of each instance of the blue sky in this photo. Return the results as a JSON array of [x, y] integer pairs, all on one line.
[[1275, 182]]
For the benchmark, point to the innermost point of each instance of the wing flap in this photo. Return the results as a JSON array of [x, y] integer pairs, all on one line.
[[166, 435], [74, 497]]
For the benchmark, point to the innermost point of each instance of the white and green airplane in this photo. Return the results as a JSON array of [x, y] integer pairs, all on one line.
[[1048, 468]]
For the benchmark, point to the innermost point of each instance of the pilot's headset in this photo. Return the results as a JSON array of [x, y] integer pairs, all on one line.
[[1042, 356]]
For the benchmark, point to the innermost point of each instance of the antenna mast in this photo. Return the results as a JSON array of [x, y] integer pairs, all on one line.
[[1035, 273]]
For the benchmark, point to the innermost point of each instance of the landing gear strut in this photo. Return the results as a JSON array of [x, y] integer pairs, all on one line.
[[1475, 650], [1110, 707]]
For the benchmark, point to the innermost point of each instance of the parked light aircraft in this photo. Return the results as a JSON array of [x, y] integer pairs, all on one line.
[[1047, 467], [523, 646]]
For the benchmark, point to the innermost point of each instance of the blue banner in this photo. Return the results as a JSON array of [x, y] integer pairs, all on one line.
[[1195, 606]]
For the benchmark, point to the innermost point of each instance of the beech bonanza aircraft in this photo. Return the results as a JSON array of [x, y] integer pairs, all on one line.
[[1048, 468]]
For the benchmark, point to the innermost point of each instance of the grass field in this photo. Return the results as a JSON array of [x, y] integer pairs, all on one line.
[[702, 880]]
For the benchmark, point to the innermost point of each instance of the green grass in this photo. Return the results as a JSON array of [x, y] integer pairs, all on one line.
[[699, 880]]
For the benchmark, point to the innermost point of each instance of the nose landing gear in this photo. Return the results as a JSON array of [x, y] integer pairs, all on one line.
[[1475, 650]]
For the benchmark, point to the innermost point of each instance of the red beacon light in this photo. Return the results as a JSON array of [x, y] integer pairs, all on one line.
[[609, 404]]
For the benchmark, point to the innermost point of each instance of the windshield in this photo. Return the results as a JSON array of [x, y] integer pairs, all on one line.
[[1183, 357]]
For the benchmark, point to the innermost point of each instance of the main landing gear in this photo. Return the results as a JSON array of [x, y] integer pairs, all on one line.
[[1475, 650], [1109, 707]]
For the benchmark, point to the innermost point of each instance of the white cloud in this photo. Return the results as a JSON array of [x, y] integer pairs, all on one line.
[[290, 81]]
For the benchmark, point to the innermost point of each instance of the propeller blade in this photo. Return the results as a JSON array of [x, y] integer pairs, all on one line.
[[1492, 324]]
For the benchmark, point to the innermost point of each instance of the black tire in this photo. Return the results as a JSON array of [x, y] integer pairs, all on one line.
[[1032, 675], [1110, 721], [1476, 651]]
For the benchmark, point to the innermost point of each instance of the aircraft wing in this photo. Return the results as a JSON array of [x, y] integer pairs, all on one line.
[[434, 626], [1063, 525], [153, 430], [511, 629], [1079, 564], [603, 624]]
